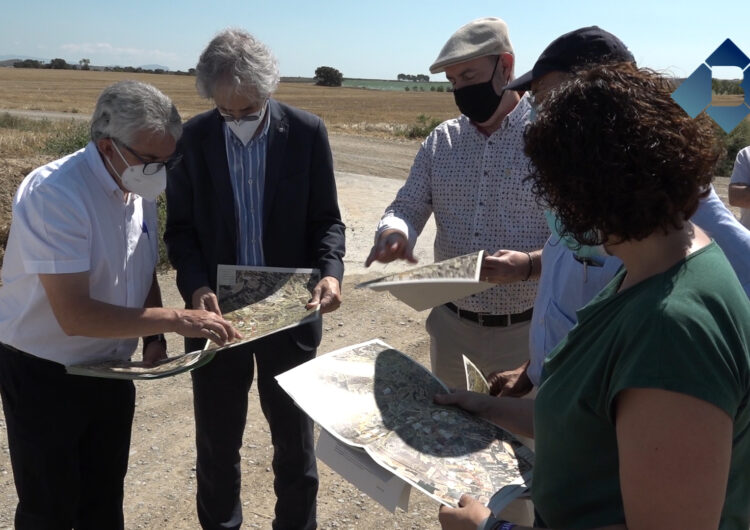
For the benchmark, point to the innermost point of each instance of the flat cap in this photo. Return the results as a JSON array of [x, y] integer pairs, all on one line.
[[480, 37]]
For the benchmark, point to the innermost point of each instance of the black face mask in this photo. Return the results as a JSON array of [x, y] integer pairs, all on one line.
[[478, 102]]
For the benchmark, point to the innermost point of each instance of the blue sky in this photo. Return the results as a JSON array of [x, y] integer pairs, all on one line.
[[377, 39]]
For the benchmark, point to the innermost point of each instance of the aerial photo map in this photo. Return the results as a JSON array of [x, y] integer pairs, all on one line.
[[372, 396], [435, 284], [257, 300]]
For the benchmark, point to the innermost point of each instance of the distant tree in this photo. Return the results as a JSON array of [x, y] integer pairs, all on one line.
[[406, 88], [191, 71], [328, 76], [58, 64], [440, 88], [84, 64], [401, 77], [28, 63]]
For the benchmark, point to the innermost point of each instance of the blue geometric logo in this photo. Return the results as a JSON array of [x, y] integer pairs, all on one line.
[[694, 94]]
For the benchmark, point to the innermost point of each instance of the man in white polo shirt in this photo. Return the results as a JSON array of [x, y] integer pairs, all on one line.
[[79, 285]]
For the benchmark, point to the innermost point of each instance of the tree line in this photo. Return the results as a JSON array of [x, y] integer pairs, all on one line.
[[726, 86], [416, 78], [85, 64]]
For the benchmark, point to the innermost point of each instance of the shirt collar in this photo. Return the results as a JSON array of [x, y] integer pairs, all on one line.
[[96, 165], [519, 114]]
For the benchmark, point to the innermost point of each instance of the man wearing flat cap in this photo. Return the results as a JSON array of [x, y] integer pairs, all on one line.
[[470, 173]]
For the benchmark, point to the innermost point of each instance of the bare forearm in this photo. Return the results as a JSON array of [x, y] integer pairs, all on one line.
[[536, 264], [513, 414], [93, 318]]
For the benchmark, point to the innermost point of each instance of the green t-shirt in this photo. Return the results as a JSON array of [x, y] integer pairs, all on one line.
[[686, 330]]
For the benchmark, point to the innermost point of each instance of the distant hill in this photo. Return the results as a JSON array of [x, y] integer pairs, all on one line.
[[4, 58]]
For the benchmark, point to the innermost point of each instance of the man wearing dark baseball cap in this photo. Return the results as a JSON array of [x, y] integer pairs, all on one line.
[[572, 51], [571, 274], [569, 278]]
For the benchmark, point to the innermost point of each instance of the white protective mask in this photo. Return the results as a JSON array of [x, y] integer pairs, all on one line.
[[147, 186], [244, 129]]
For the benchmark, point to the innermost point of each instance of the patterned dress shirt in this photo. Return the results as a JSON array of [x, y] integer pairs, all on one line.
[[475, 186]]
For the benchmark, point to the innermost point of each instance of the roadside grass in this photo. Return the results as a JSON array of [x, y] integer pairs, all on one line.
[[22, 137]]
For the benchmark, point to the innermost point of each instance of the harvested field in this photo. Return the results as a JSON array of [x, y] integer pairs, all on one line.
[[362, 110]]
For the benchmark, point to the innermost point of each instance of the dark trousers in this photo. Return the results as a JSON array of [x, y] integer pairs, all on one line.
[[220, 394], [69, 439]]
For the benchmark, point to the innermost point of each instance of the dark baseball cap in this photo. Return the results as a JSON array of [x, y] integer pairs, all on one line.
[[581, 47]]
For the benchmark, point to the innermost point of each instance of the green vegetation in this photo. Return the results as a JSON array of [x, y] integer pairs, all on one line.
[[328, 76], [732, 142], [384, 84], [68, 139], [424, 126], [726, 86]]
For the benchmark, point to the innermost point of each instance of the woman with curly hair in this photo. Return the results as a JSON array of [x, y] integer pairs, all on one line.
[[642, 417]]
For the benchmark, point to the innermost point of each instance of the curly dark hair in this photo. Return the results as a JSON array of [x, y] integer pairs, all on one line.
[[614, 155]]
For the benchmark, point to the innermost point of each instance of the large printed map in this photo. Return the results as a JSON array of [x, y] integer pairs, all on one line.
[[375, 397], [257, 300]]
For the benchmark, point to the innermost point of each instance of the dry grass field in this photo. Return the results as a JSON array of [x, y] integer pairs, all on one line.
[[356, 109], [727, 100]]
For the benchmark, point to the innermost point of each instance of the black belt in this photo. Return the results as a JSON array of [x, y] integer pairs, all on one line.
[[491, 320]]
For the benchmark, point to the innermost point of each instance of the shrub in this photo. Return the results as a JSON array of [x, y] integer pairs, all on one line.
[[424, 126], [733, 142], [69, 139]]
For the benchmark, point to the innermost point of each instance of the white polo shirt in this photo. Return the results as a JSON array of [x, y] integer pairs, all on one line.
[[70, 216]]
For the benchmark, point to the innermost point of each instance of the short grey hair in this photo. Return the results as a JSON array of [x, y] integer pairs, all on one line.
[[235, 59], [127, 107]]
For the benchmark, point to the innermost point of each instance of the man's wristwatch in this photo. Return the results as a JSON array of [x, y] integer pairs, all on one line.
[[151, 338]]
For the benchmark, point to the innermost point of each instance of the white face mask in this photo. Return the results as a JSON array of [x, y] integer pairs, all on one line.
[[245, 128], [147, 186]]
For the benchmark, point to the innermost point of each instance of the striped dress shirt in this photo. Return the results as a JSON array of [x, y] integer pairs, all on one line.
[[247, 170]]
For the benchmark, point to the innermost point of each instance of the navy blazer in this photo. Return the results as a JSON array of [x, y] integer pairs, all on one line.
[[302, 224]]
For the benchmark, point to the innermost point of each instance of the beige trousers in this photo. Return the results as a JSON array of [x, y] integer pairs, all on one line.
[[491, 349]]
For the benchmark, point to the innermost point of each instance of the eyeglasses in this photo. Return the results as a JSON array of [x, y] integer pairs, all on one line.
[[246, 117], [253, 116], [149, 167]]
